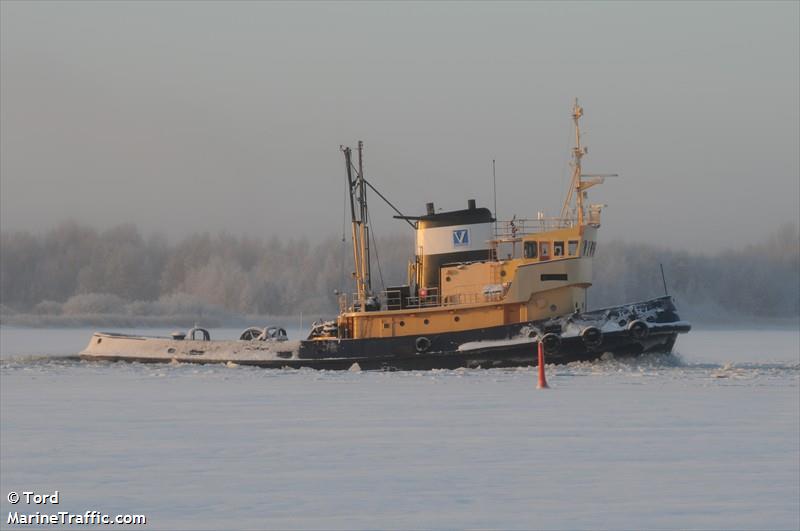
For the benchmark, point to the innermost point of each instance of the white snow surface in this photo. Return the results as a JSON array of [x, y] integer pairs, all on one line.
[[475, 345], [705, 439]]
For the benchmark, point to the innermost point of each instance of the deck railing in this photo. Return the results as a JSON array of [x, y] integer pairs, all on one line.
[[389, 299], [509, 230], [393, 299]]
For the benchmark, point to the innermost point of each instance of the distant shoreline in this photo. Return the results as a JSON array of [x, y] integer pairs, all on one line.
[[114, 320], [25, 320]]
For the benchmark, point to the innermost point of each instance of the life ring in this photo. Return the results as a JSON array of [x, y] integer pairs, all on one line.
[[422, 344], [204, 335], [551, 343], [638, 329], [592, 337]]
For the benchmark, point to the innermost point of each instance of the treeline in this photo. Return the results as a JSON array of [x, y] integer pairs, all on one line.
[[75, 270], [760, 281]]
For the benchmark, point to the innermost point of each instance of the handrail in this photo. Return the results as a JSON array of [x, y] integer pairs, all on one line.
[[515, 228], [432, 299]]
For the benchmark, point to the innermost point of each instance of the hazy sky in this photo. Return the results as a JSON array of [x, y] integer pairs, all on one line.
[[228, 116]]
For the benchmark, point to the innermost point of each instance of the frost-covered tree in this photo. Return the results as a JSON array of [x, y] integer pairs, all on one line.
[[42, 273]]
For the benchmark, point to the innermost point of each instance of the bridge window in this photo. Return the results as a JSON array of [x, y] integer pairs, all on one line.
[[585, 248], [544, 249], [573, 247], [530, 249], [558, 248]]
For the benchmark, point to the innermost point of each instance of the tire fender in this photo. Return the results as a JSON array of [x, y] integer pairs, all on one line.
[[422, 344], [592, 337], [638, 329], [551, 343]]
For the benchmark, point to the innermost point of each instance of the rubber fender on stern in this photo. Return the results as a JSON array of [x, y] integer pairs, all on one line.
[[638, 329], [592, 337], [551, 343]]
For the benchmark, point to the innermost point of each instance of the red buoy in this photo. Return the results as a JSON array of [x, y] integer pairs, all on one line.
[[542, 380]]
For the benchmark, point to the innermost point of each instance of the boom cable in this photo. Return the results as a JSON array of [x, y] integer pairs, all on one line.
[[344, 239], [375, 246], [402, 216]]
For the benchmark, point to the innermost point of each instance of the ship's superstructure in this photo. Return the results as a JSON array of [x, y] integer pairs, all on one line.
[[471, 271]]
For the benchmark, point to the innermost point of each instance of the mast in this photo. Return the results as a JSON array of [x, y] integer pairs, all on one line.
[[575, 183], [362, 187], [357, 189], [578, 185]]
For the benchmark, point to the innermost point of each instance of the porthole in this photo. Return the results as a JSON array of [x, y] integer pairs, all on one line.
[[426, 321], [502, 272], [99, 339], [553, 307], [402, 323], [170, 350], [447, 279], [456, 318]]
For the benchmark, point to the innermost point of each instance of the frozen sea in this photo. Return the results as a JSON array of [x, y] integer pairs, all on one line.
[[705, 439]]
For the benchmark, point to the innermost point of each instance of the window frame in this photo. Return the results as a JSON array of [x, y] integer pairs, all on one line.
[[544, 249], [530, 244], [573, 247]]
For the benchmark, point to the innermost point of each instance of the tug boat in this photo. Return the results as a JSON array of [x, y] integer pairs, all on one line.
[[480, 293]]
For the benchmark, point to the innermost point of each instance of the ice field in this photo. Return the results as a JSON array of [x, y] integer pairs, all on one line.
[[708, 438]]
